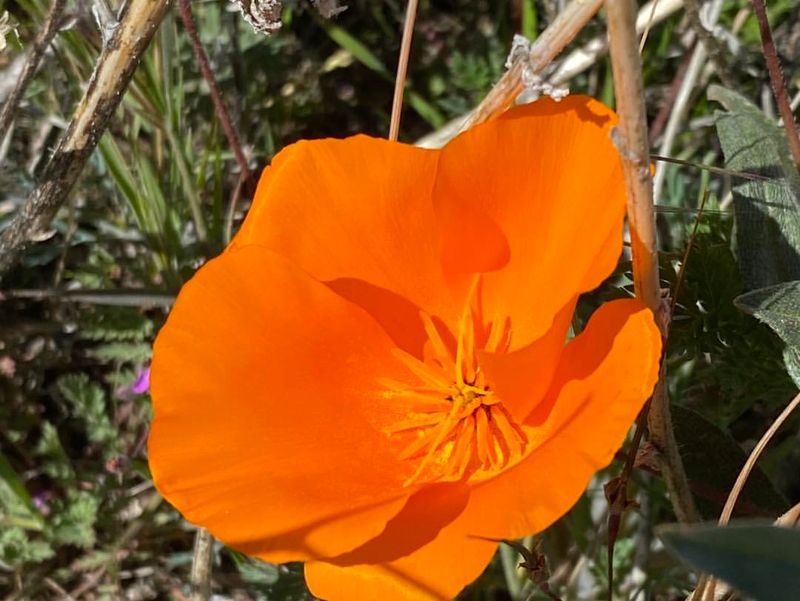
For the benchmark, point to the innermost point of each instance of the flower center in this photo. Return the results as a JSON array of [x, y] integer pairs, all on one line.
[[457, 428]]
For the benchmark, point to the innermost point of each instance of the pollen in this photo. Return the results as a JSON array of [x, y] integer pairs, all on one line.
[[458, 428]]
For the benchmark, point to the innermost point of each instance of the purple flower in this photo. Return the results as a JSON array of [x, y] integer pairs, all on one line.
[[142, 383]]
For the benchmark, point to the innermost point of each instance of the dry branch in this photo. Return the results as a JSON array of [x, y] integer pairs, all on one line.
[[111, 76], [776, 77], [576, 62], [200, 576], [544, 49], [634, 146], [40, 45], [402, 70]]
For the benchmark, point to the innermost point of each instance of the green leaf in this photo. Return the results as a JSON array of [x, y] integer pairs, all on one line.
[[359, 51], [779, 307], [363, 55], [712, 459], [88, 401], [254, 571], [759, 559], [14, 483], [74, 519], [767, 209]]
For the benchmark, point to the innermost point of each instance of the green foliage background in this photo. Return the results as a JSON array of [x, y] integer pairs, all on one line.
[[78, 513]]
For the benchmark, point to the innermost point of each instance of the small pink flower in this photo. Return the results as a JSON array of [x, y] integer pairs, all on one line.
[[142, 383]]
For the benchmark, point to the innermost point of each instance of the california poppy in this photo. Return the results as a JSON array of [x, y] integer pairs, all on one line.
[[374, 378]]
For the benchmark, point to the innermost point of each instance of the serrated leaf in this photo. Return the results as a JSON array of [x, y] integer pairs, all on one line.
[[74, 520], [88, 401], [779, 307], [767, 210], [758, 559]]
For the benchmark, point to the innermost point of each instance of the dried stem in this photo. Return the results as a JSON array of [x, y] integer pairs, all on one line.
[[681, 105], [584, 57], [646, 32], [576, 62], [546, 47], [727, 510], [113, 71], [628, 85], [713, 47], [706, 586], [402, 69], [776, 77], [185, 9], [40, 44], [620, 501], [200, 576]]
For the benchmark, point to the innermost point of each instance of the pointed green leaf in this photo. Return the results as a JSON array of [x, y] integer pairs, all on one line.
[[713, 459], [756, 558], [767, 210], [779, 307]]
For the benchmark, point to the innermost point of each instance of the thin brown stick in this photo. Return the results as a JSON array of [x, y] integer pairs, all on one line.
[[615, 513], [709, 589], [682, 272], [113, 71], [544, 49], [575, 63], [40, 44], [646, 31], [660, 120], [628, 85], [402, 69], [727, 510], [200, 576], [776, 77], [714, 49], [619, 503], [185, 9]]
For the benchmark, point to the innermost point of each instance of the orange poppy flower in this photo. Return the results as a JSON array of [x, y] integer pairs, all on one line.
[[374, 378]]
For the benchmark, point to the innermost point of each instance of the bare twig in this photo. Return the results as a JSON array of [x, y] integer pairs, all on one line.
[[706, 586], [584, 57], [646, 31], [660, 120], [40, 44], [713, 47], [682, 272], [628, 86], [776, 77], [544, 49], [223, 115], [681, 105], [727, 510], [200, 576], [616, 491], [114, 70], [402, 69], [574, 63]]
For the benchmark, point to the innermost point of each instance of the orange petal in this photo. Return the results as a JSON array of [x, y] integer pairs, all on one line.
[[419, 522], [605, 376], [268, 413], [521, 378], [435, 571], [357, 209], [548, 175]]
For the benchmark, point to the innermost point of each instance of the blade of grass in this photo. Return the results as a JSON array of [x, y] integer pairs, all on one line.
[[363, 55]]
